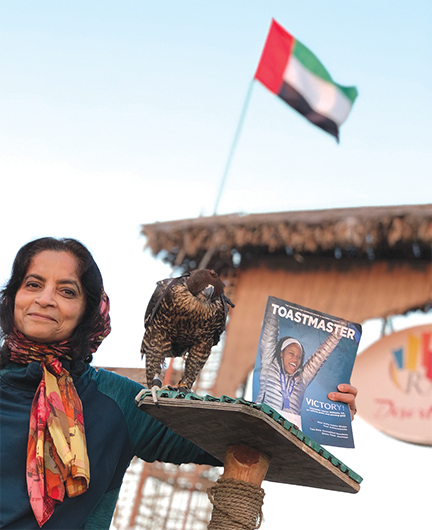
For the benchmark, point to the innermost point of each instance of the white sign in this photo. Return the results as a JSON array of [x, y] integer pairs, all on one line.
[[394, 379]]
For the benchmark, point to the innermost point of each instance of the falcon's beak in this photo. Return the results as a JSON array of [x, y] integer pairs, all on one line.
[[208, 291]]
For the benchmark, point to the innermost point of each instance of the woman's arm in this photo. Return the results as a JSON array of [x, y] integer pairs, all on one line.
[[267, 349], [322, 353], [149, 439]]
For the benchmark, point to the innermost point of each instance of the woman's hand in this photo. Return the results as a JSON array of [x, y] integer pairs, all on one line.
[[347, 394]]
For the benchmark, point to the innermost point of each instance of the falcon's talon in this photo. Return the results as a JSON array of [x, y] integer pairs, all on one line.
[[154, 389], [179, 389]]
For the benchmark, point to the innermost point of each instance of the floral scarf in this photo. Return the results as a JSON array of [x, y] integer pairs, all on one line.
[[57, 458]]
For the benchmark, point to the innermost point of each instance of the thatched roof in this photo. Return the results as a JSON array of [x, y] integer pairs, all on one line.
[[402, 232], [359, 263]]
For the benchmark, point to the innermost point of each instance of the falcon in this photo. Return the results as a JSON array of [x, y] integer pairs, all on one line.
[[185, 317]]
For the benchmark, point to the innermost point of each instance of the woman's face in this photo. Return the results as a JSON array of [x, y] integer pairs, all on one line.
[[51, 300], [291, 358]]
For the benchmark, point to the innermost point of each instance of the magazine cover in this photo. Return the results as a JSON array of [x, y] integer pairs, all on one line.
[[303, 355]]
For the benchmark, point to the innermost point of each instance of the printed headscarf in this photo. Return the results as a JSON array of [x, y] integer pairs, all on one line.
[[57, 460]]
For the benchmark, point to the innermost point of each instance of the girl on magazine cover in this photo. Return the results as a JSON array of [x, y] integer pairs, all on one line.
[[285, 376]]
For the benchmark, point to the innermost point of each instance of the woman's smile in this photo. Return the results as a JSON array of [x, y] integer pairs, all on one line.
[[291, 358], [42, 317]]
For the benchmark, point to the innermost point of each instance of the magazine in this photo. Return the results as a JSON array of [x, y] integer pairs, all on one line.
[[303, 355]]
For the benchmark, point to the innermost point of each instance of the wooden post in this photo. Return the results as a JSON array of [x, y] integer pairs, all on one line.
[[243, 463], [237, 496]]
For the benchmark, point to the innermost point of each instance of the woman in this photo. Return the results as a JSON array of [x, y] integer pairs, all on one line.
[[284, 376], [54, 314]]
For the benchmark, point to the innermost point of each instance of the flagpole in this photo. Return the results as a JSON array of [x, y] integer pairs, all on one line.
[[234, 144]]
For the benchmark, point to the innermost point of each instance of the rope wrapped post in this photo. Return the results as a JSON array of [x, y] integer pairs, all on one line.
[[237, 497]]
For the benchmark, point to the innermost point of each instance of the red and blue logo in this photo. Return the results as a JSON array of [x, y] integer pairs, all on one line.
[[411, 364]]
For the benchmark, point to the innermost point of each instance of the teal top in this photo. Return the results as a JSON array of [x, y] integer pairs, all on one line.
[[116, 431]]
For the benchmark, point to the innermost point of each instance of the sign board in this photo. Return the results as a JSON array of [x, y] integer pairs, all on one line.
[[394, 379]]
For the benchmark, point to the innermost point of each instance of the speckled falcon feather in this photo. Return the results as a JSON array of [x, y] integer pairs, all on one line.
[[185, 316]]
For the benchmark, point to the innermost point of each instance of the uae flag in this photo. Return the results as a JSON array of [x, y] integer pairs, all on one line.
[[292, 72]]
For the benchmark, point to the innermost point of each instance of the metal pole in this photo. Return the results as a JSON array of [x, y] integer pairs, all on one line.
[[234, 145]]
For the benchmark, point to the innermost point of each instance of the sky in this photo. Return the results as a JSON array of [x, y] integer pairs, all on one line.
[[119, 113]]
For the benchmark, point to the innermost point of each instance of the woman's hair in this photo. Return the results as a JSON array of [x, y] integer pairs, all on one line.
[[91, 281], [278, 353]]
